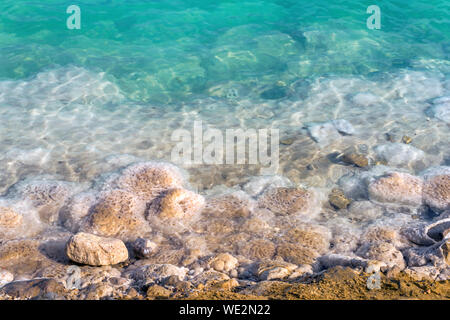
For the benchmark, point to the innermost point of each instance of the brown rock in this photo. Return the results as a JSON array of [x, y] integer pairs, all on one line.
[[356, 159], [397, 187], [37, 289], [176, 203], [93, 250], [338, 199], [117, 213], [158, 292], [286, 201], [9, 218], [296, 253], [437, 192]]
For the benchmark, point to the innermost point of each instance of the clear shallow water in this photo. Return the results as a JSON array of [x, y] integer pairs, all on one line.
[[75, 104]]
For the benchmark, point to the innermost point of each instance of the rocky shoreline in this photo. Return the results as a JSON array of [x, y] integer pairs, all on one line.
[[141, 233]]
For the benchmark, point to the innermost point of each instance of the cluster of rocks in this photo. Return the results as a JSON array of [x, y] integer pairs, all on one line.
[[140, 232]]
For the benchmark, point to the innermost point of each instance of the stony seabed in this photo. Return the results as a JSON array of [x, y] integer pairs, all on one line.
[[142, 230]]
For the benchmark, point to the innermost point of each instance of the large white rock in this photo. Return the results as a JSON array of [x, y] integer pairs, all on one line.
[[399, 154], [93, 250]]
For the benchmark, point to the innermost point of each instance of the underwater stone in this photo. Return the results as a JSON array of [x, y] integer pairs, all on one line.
[[258, 249], [9, 218], [176, 203], [324, 133], [338, 199], [398, 154], [397, 187], [117, 213], [287, 201], [437, 192], [232, 205], [310, 236], [296, 253], [343, 126], [269, 270], [93, 250], [147, 179], [356, 159]]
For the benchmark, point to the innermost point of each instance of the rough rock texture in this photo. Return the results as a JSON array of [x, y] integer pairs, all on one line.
[[356, 159], [382, 251], [42, 289], [234, 205], [93, 250], [397, 187], [287, 201], [309, 236], [117, 213], [258, 249], [224, 262], [437, 192], [147, 179], [176, 203], [296, 253], [9, 218], [398, 154]]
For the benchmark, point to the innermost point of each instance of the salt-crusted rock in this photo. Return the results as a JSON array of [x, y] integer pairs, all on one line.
[[257, 249], [287, 201], [343, 126], [296, 253], [117, 213], [47, 196], [333, 260], [38, 289], [147, 179], [5, 277], [76, 208], [427, 234], [93, 250], [436, 192], [310, 236], [224, 262], [209, 276], [397, 187], [382, 251], [9, 218], [364, 99], [398, 154], [231, 205], [324, 133], [176, 203]]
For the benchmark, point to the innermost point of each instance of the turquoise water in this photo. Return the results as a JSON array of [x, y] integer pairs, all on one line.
[[169, 51]]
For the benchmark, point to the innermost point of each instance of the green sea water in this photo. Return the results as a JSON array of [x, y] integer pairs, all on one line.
[[172, 50]]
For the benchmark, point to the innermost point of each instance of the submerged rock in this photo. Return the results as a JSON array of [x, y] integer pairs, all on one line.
[[147, 179], [356, 159], [93, 250], [324, 133], [287, 201], [296, 253], [176, 203], [343, 126], [338, 199], [9, 218], [117, 213], [397, 187], [437, 192], [232, 205], [398, 154]]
